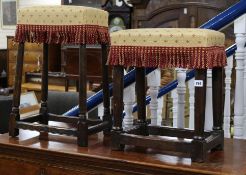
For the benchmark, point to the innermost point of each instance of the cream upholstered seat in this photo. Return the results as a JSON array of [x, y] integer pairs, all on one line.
[[62, 24], [168, 47]]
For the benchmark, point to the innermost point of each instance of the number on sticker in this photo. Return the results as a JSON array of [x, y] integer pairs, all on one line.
[[198, 83]]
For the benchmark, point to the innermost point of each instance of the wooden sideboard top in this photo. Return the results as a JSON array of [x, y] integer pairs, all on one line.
[[63, 151]]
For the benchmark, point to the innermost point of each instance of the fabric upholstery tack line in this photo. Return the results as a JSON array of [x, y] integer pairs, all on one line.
[[168, 57], [64, 34]]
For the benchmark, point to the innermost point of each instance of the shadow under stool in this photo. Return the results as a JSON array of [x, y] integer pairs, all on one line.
[[61, 25], [198, 49]]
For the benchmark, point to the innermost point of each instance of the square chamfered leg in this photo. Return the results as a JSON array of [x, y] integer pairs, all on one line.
[[44, 92], [106, 95], [218, 103], [140, 86], [15, 114], [199, 143], [44, 86], [118, 73], [82, 125]]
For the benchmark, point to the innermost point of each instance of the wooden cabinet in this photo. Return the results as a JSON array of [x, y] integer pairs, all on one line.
[[70, 62], [18, 167], [14, 167], [27, 155], [3, 60], [175, 13], [33, 56]]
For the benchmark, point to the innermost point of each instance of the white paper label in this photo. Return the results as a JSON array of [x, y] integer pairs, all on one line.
[[198, 83]]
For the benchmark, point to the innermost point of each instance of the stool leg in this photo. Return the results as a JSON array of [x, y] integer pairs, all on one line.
[[199, 152], [118, 74], [44, 86], [140, 86], [82, 124], [44, 92], [218, 102], [106, 95], [15, 113]]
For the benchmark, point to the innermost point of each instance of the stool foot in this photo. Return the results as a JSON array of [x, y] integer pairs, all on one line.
[[219, 147], [13, 131], [115, 143], [82, 134], [108, 118], [143, 128], [199, 153], [44, 136], [44, 113]]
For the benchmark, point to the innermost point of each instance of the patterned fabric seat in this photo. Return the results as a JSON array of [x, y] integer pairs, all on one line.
[[187, 48], [62, 24]]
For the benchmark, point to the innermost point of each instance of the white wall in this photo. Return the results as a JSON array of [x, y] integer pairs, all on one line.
[[21, 4]]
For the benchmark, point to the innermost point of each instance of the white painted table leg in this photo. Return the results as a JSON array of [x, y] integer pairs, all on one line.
[[244, 85], [192, 103], [227, 107], [181, 90], [174, 96], [159, 111], [239, 30], [209, 103], [100, 111], [154, 82], [129, 100]]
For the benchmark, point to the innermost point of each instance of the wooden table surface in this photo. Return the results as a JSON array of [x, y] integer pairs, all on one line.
[[63, 151]]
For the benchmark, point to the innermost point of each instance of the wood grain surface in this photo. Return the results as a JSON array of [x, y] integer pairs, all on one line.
[[26, 154]]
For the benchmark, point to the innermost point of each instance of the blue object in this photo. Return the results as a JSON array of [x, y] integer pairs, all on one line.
[[226, 17]]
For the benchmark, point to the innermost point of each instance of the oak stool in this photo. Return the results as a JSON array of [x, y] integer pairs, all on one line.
[[61, 25], [198, 49]]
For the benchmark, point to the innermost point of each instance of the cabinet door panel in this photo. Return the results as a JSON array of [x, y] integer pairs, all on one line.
[[12, 56], [11, 44], [32, 57], [10, 167], [33, 47]]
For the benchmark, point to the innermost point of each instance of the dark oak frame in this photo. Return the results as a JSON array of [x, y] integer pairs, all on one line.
[[142, 134], [85, 127]]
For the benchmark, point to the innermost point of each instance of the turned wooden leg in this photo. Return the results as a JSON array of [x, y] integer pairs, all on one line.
[[82, 124], [105, 82], [140, 91], [15, 114], [44, 92], [44, 86], [118, 86], [218, 102], [199, 152]]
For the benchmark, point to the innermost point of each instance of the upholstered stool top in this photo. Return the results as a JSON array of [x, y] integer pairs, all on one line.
[[170, 47], [62, 24]]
